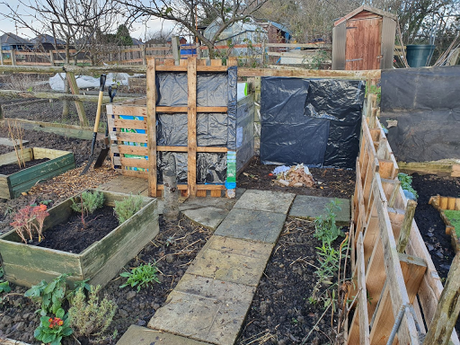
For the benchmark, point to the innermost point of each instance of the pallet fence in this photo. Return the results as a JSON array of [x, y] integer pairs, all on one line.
[[397, 291]]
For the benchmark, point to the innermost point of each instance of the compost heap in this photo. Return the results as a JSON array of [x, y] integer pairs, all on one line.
[[294, 176]]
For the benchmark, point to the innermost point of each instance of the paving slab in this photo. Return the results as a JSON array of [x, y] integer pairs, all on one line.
[[311, 207], [213, 312], [263, 200], [238, 261], [252, 225], [145, 336], [209, 217]]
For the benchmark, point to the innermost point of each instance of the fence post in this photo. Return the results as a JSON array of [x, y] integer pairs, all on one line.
[[144, 55], [263, 53], [52, 57], [1, 55], [13, 57], [175, 49]]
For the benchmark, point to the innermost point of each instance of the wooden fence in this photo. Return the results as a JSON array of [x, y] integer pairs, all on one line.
[[397, 285]]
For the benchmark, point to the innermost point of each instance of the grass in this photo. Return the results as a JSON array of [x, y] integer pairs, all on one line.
[[454, 217]]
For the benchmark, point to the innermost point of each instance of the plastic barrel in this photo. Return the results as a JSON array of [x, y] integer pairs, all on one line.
[[419, 55]]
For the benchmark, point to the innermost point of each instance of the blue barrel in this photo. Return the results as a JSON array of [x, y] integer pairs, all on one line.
[[187, 50], [419, 55]]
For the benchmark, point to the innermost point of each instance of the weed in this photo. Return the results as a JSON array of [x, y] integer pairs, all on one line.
[[140, 276], [52, 329], [28, 220], [89, 202], [406, 184], [374, 89], [325, 228], [454, 217], [89, 316], [4, 285], [127, 207]]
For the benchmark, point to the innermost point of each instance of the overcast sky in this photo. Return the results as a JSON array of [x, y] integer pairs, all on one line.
[[138, 31]]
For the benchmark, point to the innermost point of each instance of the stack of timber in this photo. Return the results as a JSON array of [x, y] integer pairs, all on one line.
[[396, 283], [133, 129]]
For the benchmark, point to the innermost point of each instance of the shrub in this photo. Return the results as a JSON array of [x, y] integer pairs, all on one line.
[[89, 202], [88, 316], [127, 207]]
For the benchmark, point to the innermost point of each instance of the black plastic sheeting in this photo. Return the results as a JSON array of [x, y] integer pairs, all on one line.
[[312, 121], [421, 109], [214, 129]]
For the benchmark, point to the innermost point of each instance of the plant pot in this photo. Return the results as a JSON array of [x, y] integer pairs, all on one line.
[[27, 265], [13, 185], [419, 55]]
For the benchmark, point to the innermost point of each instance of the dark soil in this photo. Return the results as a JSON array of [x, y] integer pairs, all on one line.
[[9, 169], [331, 182], [73, 236]]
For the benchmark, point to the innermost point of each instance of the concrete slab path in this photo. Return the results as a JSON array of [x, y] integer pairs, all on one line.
[[311, 207]]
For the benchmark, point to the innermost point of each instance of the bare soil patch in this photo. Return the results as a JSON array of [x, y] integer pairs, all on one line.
[[9, 169]]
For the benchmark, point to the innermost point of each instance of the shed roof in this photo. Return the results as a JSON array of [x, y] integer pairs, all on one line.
[[45, 38], [10, 38], [368, 9]]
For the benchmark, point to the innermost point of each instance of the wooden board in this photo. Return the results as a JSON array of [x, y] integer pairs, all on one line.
[[191, 125]]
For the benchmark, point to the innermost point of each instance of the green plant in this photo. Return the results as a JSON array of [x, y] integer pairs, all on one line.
[[89, 202], [318, 59], [127, 207], [374, 89], [4, 285], [406, 183], [325, 228], [50, 296], [89, 316], [140, 276], [454, 218], [52, 329]]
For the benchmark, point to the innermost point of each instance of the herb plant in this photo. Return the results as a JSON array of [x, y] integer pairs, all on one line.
[[127, 207], [89, 316], [89, 202], [140, 276]]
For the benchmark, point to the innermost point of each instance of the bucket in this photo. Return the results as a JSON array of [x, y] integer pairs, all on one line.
[[419, 55]]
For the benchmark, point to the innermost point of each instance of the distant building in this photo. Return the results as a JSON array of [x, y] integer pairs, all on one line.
[[47, 42], [10, 41], [277, 33], [137, 42]]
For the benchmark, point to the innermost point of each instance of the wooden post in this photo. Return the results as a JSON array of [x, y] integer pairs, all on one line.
[[78, 104], [52, 57], [1, 112], [1, 54], [263, 53], [151, 128], [13, 57], [191, 174], [406, 226], [446, 315], [175, 49]]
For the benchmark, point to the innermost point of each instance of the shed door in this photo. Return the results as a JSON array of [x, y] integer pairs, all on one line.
[[363, 47]]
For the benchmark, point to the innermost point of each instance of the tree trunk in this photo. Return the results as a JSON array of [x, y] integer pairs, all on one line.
[[170, 191], [65, 104]]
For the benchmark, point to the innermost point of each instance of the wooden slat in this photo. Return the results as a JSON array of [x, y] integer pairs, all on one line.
[[133, 150], [151, 127], [168, 110], [127, 136], [201, 193], [216, 193], [130, 110], [131, 124], [191, 124], [134, 162]]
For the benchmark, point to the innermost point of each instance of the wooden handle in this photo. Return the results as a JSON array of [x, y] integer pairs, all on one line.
[[98, 113]]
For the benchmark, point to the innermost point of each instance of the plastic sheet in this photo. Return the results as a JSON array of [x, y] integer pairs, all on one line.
[[315, 122], [421, 109]]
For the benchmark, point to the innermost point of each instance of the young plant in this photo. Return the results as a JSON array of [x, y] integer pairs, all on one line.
[[88, 316], [52, 329], [4, 285], [89, 202], [30, 219], [325, 228], [127, 207], [140, 276], [50, 296], [406, 184]]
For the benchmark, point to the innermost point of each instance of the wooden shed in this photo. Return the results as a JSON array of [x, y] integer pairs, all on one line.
[[364, 39]]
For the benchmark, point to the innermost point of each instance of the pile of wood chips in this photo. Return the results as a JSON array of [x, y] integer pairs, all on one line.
[[296, 176], [70, 183]]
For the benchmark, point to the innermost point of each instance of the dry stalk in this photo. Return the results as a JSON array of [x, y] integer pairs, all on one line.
[[16, 135]]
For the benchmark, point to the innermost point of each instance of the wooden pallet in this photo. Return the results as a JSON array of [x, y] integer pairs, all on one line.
[[137, 126]]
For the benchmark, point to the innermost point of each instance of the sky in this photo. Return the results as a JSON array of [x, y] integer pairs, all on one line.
[[139, 30]]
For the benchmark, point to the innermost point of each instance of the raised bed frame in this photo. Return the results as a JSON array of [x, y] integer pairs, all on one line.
[[13, 185], [27, 264], [443, 203]]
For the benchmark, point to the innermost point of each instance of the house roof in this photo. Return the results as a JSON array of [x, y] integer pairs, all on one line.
[[10, 38], [368, 9], [137, 42], [44, 38], [280, 26]]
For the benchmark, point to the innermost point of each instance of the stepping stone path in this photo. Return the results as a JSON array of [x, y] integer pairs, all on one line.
[[210, 302]]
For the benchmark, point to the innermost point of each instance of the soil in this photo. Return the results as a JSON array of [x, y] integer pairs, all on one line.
[[73, 236], [9, 169]]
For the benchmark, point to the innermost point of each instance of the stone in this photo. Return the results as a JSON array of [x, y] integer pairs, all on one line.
[[123, 313], [144, 336], [262, 200], [7, 320], [209, 217], [169, 258], [252, 225], [311, 207], [130, 295]]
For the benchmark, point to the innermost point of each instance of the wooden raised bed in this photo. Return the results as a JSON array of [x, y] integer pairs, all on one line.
[[13, 185], [443, 203], [27, 264]]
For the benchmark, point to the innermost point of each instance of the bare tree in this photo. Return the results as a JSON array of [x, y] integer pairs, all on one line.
[[74, 22], [190, 13]]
